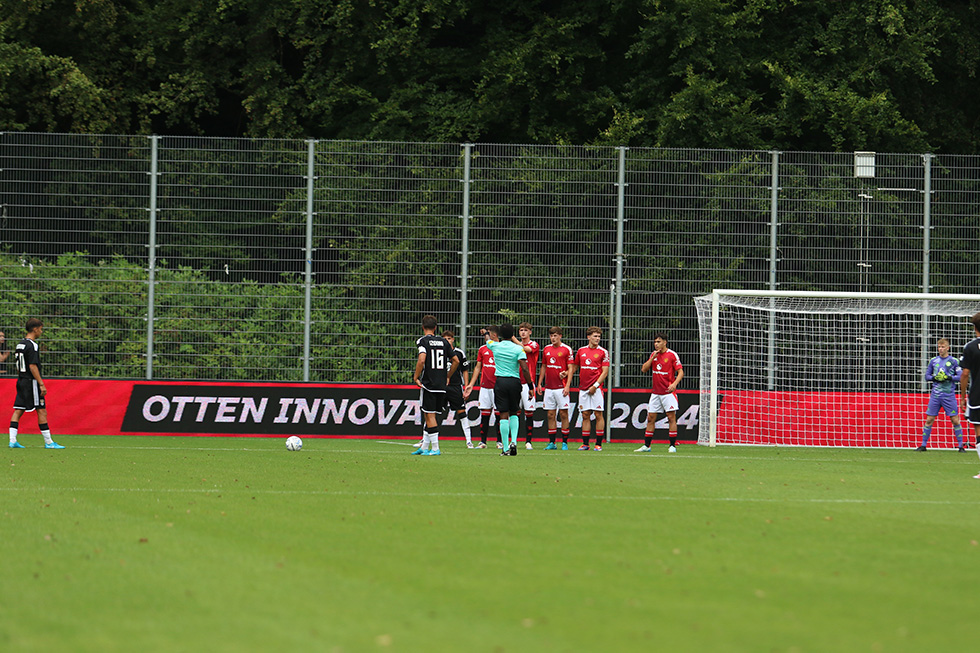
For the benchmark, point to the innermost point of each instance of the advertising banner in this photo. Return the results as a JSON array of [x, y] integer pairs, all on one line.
[[112, 407]]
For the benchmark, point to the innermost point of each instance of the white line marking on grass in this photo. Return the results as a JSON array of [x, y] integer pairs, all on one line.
[[541, 455], [490, 495]]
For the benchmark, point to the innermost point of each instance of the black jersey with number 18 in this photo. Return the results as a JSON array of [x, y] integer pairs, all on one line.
[[438, 359]]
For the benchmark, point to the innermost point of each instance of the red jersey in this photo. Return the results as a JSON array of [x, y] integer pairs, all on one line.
[[590, 363], [488, 371], [555, 361], [532, 361], [664, 370]]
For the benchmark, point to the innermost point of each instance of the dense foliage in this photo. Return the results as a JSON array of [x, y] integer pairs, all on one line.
[[892, 75]]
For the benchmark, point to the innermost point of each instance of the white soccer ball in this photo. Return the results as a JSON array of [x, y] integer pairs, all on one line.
[[293, 443]]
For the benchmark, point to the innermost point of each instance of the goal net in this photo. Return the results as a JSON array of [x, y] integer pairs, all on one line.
[[824, 368]]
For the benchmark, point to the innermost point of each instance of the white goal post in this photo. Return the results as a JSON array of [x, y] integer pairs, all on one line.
[[824, 368]]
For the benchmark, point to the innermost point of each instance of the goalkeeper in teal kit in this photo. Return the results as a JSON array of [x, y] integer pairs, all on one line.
[[944, 373]]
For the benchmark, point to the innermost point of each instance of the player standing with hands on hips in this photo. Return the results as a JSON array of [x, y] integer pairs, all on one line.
[[970, 390], [30, 386], [667, 374], [943, 372]]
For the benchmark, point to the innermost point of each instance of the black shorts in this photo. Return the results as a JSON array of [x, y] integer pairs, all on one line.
[[454, 398], [432, 402], [28, 395], [507, 394]]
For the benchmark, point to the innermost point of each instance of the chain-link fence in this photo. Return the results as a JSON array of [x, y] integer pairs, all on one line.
[[291, 260]]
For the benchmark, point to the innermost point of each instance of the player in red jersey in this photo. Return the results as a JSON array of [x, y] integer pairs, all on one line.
[[486, 371], [667, 374], [554, 381], [533, 350], [592, 364]]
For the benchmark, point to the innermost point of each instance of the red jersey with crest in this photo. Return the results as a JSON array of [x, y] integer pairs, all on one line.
[[664, 368], [555, 361], [590, 363], [488, 371], [532, 360]]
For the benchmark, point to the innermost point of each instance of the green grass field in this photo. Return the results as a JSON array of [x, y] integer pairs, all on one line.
[[220, 544]]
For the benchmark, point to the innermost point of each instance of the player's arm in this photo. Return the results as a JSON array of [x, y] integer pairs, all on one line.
[[526, 371], [4, 351], [647, 365], [452, 368], [540, 388], [419, 366], [568, 373], [598, 383], [476, 374], [964, 388], [36, 373], [929, 370], [677, 380]]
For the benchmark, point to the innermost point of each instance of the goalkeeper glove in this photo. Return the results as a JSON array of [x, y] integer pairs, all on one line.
[[940, 376]]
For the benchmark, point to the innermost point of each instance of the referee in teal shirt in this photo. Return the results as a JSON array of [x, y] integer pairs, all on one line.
[[510, 359]]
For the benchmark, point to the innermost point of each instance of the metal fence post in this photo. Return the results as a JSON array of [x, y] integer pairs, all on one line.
[[926, 229], [620, 256], [308, 300], [773, 254], [152, 254], [464, 272]]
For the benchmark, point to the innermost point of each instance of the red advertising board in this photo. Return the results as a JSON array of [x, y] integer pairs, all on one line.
[[114, 407], [879, 419]]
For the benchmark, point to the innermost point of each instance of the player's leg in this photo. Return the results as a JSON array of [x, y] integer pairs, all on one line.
[[432, 424], [457, 404], [486, 410], [672, 430], [653, 405], [565, 428], [529, 408], [14, 425], [954, 419], [932, 411], [42, 422], [600, 425], [586, 429], [552, 425]]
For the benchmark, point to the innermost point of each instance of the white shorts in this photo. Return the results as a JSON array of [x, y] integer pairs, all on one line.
[[592, 401], [555, 400], [528, 404], [662, 403], [486, 399]]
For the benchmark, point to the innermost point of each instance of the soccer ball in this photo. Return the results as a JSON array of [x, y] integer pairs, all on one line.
[[293, 443]]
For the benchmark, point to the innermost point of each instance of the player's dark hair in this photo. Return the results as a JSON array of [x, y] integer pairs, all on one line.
[[525, 325], [448, 334], [34, 323], [493, 328], [506, 331], [661, 335], [591, 330], [555, 329], [429, 322], [975, 321]]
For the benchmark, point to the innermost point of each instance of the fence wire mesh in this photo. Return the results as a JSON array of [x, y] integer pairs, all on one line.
[[292, 260]]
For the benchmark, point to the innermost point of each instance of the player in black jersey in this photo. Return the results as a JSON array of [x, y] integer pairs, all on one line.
[[436, 364], [30, 386], [969, 385], [454, 391]]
